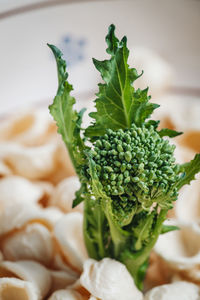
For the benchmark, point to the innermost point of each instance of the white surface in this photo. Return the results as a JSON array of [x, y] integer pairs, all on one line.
[[28, 72], [6, 5]]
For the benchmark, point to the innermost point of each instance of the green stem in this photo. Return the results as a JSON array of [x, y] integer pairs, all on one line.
[[100, 233], [89, 241], [134, 261], [118, 236], [94, 229]]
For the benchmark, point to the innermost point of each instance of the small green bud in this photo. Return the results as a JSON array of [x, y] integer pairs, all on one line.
[[127, 179], [167, 169], [115, 192], [113, 182], [153, 157], [142, 177], [128, 156], [107, 145], [108, 169], [120, 148], [105, 176], [109, 131], [98, 143], [123, 167], [134, 133], [120, 177], [128, 148], [126, 173], [128, 166], [117, 163], [141, 167], [121, 155], [121, 190], [93, 153], [98, 167], [142, 185], [113, 176], [113, 152], [104, 152], [135, 179], [128, 139], [151, 175]]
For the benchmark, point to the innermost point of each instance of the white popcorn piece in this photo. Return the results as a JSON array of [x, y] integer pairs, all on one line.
[[61, 279], [50, 215], [65, 295], [4, 169], [22, 190], [32, 242], [187, 207], [29, 127], [109, 279], [1, 256], [61, 263], [30, 162], [64, 194], [29, 271], [180, 290], [16, 215], [68, 233], [180, 249], [17, 289]]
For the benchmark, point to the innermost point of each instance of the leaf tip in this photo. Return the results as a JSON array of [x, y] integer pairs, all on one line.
[[111, 28]]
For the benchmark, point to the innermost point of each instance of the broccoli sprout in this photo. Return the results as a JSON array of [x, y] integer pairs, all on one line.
[[126, 166]]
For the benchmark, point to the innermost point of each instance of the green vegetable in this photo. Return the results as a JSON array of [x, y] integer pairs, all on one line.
[[128, 174]]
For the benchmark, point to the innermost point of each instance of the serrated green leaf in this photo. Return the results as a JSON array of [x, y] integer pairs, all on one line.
[[169, 132], [189, 170], [118, 105], [141, 108], [153, 123], [168, 228], [67, 119]]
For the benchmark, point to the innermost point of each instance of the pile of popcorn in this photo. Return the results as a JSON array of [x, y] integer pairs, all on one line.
[[42, 252]]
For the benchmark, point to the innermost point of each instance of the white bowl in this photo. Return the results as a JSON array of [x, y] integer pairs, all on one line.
[[27, 68]]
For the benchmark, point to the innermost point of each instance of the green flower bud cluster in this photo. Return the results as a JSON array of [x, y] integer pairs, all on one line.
[[136, 164]]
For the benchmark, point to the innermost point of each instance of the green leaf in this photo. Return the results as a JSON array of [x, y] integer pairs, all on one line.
[[118, 105], [95, 229], [189, 171], [153, 123], [143, 230], [89, 227], [168, 228], [169, 132], [67, 119], [80, 195], [141, 274], [141, 108]]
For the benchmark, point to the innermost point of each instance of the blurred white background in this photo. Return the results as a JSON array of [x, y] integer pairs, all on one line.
[[168, 29]]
